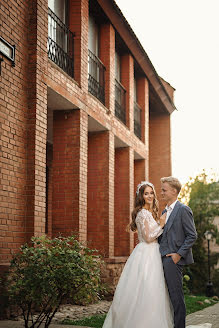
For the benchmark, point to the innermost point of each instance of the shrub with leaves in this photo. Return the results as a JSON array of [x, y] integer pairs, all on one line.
[[202, 194], [186, 290], [47, 272]]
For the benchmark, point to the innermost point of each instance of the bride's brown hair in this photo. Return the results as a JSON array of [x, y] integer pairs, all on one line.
[[140, 202]]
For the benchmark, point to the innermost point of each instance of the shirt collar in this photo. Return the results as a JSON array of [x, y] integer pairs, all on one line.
[[171, 207]]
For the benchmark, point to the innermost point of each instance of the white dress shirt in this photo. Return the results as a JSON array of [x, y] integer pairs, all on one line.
[[169, 209]]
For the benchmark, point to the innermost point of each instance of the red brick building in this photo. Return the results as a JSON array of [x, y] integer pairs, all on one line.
[[84, 117]]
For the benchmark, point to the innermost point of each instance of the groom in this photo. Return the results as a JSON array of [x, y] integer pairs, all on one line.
[[175, 245]]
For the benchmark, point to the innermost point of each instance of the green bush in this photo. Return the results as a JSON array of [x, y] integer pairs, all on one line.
[[3, 297], [201, 194], [49, 271], [186, 289], [215, 280]]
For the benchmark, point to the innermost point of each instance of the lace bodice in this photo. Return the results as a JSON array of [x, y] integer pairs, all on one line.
[[148, 229]]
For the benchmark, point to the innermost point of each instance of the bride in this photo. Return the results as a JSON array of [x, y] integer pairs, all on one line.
[[141, 299]]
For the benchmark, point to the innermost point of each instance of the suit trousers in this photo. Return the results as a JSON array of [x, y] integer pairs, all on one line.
[[173, 276]]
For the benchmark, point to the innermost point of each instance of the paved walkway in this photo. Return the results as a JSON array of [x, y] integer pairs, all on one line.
[[208, 315], [19, 324]]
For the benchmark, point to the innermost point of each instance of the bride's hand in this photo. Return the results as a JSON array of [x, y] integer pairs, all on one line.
[[163, 220]]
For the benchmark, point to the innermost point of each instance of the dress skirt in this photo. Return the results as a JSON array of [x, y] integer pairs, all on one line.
[[141, 298]]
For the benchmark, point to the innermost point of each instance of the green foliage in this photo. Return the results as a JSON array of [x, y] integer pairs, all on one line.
[[215, 280], [196, 303], [47, 272], [3, 296], [202, 196], [186, 279], [93, 321]]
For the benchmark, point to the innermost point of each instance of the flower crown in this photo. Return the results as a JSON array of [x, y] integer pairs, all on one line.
[[142, 184]]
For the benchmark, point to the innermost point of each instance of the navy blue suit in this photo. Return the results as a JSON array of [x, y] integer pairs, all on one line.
[[178, 237]]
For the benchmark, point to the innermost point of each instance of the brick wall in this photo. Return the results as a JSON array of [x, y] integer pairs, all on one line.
[[22, 150], [94, 161], [69, 173], [159, 151], [122, 201], [127, 80], [78, 23], [36, 118], [143, 101], [107, 56], [98, 192]]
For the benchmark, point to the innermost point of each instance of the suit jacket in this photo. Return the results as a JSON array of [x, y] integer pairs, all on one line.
[[179, 234]]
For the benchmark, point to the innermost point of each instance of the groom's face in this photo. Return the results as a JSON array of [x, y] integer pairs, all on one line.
[[168, 193]]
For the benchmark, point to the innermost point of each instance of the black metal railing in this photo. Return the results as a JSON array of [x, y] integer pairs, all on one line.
[[60, 44], [120, 103], [137, 120], [96, 77]]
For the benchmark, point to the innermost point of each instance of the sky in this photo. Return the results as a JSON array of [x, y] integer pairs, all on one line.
[[181, 38]]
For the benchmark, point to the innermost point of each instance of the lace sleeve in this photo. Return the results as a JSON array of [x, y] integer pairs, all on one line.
[[150, 230]]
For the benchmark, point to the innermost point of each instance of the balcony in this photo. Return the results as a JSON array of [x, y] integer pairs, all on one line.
[[96, 77], [60, 44], [120, 103], [137, 120]]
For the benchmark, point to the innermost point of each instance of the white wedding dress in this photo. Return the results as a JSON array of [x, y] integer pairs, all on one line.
[[141, 299]]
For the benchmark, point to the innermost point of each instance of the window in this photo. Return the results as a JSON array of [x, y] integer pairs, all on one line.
[[59, 8], [137, 113], [135, 90], [60, 38], [117, 67], [93, 39], [120, 92], [56, 30]]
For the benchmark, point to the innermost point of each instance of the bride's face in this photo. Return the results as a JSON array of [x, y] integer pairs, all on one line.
[[148, 196]]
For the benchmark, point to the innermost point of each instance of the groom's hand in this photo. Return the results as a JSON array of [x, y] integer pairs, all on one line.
[[175, 257]]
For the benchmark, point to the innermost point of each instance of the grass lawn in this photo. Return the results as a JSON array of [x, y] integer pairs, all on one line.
[[94, 321], [192, 304], [97, 321]]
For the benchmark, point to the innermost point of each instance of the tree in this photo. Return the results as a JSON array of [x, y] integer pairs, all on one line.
[[201, 194], [47, 272]]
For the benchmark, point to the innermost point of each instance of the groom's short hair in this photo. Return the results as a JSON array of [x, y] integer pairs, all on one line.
[[173, 182]]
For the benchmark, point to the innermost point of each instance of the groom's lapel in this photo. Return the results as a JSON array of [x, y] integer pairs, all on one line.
[[172, 216]]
